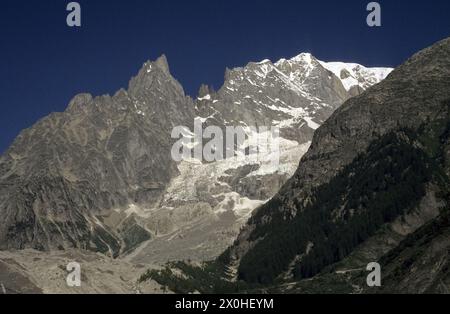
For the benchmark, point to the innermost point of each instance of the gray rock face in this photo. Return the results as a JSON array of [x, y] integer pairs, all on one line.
[[416, 94], [100, 176], [60, 176]]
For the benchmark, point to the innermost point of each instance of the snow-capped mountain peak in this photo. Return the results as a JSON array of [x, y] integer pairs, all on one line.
[[145, 194], [353, 74]]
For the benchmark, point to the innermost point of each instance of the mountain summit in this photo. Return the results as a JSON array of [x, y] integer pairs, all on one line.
[[99, 176]]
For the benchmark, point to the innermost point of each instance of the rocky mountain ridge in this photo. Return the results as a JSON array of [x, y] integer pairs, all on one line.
[[99, 176]]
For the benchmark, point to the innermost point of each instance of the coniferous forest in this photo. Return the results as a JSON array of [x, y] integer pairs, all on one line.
[[376, 188]]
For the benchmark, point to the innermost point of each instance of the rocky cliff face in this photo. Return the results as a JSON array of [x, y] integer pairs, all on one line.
[[60, 176], [406, 115], [99, 176]]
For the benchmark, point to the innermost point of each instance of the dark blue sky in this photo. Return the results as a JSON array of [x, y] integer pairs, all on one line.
[[44, 63]]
